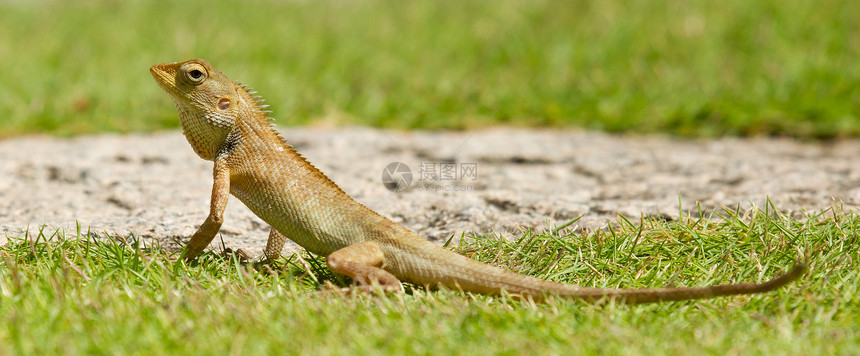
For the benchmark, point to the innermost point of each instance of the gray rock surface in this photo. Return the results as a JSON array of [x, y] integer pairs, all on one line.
[[154, 186]]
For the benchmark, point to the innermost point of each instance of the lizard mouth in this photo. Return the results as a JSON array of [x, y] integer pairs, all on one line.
[[165, 76]]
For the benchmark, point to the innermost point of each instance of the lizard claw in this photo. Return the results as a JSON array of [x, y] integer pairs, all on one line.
[[238, 254]]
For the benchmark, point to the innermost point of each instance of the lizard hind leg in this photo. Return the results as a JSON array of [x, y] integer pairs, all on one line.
[[362, 262]]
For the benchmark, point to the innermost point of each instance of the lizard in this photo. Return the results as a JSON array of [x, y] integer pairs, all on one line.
[[227, 123]]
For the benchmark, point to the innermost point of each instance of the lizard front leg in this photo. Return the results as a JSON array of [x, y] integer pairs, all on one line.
[[362, 263], [210, 227], [274, 245]]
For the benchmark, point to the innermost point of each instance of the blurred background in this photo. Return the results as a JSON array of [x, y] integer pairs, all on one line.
[[682, 67]]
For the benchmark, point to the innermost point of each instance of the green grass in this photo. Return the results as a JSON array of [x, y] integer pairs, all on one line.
[[692, 68], [73, 294]]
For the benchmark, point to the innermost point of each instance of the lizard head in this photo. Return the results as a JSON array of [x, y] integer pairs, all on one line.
[[207, 102]]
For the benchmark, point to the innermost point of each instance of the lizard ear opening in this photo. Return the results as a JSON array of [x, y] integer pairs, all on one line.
[[223, 104]]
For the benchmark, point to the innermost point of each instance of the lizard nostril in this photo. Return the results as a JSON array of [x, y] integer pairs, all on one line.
[[223, 104]]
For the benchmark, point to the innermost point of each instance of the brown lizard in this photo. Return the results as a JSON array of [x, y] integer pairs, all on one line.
[[226, 123]]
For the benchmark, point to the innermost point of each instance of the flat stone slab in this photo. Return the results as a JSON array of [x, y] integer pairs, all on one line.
[[154, 186]]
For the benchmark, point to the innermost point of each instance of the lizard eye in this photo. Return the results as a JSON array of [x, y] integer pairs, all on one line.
[[194, 73]]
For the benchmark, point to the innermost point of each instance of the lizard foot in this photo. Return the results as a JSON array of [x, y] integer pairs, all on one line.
[[373, 289], [238, 254]]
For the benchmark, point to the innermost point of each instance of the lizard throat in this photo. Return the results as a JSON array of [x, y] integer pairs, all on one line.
[[204, 137]]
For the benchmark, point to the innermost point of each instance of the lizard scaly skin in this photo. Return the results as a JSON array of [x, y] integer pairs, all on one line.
[[224, 122]]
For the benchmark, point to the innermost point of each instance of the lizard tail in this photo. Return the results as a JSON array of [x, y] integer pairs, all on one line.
[[447, 269]]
